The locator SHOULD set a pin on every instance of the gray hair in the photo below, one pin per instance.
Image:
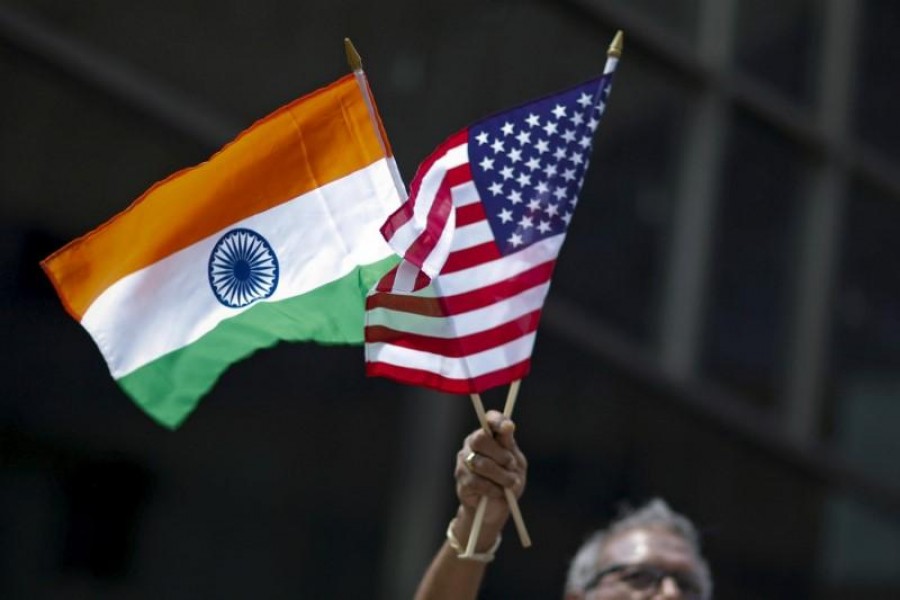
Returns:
(655, 513)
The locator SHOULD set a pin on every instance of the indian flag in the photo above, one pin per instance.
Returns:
(276, 237)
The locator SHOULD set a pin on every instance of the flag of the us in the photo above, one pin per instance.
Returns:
(480, 233)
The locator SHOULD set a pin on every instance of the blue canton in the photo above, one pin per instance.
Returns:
(528, 163)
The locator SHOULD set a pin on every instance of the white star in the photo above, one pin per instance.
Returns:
(507, 128)
(544, 227)
(533, 120)
(569, 174)
(593, 123)
(515, 197)
(541, 146)
(560, 193)
(541, 187)
(551, 210)
(534, 204)
(584, 99)
(577, 158)
(569, 135)
(497, 146)
(482, 138)
(486, 164)
(549, 127)
(516, 240)
(559, 153)
(559, 111)
(585, 141)
(505, 215)
(601, 107)
(550, 171)
(496, 188)
(515, 155)
(526, 222)
(524, 137)
(506, 172)
(577, 118)
(567, 217)
(524, 179)
(533, 163)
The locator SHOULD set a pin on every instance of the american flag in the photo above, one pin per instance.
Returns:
(479, 236)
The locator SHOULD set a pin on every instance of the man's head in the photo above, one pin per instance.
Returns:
(649, 553)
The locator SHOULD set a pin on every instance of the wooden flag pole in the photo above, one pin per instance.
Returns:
(524, 538)
(354, 60)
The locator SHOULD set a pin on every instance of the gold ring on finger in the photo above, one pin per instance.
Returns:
(468, 461)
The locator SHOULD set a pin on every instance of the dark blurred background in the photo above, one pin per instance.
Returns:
(723, 330)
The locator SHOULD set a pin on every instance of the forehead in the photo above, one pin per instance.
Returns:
(656, 546)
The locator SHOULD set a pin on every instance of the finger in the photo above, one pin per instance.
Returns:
(503, 427)
(487, 467)
(472, 486)
(488, 447)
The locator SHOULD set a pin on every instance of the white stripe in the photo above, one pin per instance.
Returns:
(473, 365)
(465, 194)
(318, 237)
(474, 321)
(406, 235)
(471, 235)
(484, 274)
(405, 278)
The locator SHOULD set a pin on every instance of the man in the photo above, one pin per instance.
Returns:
(650, 553)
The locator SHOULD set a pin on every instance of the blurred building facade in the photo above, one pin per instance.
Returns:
(723, 330)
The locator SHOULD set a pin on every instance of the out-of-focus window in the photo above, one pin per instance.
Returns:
(751, 259)
(777, 43)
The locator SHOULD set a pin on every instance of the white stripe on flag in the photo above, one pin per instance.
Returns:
(472, 235)
(406, 235)
(465, 194)
(500, 269)
(474, 321)
(317, 237)
(472, 365)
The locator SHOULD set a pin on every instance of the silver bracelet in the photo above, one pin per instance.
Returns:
(484, 557)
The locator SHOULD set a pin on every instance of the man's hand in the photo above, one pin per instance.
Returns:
(494, 463)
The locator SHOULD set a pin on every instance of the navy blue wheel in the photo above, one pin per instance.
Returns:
(243, 268)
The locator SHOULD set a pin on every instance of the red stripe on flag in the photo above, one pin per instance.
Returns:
(462, 303)
(458, 175)
(438, 214)
(386, 283)
(470, 213)
(445, 384)
(460, 346)
(403, 214)
(471, 257)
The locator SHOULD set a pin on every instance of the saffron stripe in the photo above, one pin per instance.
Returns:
(273, 161)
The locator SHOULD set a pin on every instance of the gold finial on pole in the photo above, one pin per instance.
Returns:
(615, 49)
(353, 58)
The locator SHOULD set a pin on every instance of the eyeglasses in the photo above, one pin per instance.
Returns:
(647, 578)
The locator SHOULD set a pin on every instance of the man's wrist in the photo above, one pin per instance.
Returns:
(490, 528)
(462, 552)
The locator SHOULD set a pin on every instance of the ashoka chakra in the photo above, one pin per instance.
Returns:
(243, 268)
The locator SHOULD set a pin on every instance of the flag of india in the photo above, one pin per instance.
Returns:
(276, 237)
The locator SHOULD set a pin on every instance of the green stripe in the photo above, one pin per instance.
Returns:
(170, 387)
